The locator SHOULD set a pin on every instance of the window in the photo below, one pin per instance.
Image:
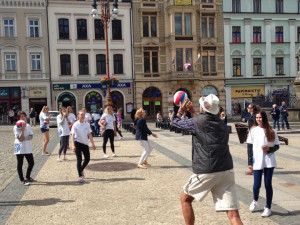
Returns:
(149, 26)
(9, 28)
(101, 64)
(236, 5)
(298, 6)
(83, 64)
(208, 62)
(34, 28)
(118, 64)
(35, 62)
(179, 59)
(279, 6)
(179, 29)
(204, 27)
(257, 6)
(279, 66)
(236, 64)
(151, 62)
(99, 30)
(207, 1)
(63, 26)
(116, 29)
(257, 67)
(10, 62)
(81, 29)
(65, 64)
(211, 27)
(257, 34)
(279, 34)
(298, 34)
(236, 34)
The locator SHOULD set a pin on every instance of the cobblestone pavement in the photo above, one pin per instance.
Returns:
(115, 192)
(8, 160)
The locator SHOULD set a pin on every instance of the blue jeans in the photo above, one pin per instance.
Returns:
(284, 119)
(268, 174)
(276, 121)
(97, 128)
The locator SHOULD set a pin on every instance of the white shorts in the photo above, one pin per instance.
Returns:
(221, 185)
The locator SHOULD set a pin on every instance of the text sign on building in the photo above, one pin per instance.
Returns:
(88, 86)
(3, 92)
(37, 92)
(240, 92)
(183, 2)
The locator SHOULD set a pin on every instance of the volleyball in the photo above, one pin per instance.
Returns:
(179, 96)
(20, 123)
(187, 67)
(103, 122)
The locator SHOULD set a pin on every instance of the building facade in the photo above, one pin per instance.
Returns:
(178, 45)
(77, 53)
(24, 67)
(262, 40)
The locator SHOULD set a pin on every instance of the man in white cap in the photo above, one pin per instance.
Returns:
(211, 160)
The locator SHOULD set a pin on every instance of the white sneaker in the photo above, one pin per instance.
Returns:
(253, 205)
(106, 156)
(267, 212)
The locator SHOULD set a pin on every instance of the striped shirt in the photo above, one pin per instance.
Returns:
(187, 125)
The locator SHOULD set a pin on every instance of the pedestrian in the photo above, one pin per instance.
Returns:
(96, 117)
(63, 132)
(88, 117)
(265, 142)
(81, 134)
(141, 135)
(23, 148)
(119, 119)
(101, 111)
(159, 117)
(32, 117)
(71, 117)
(44, 125)
(109, 130)
(118, 127)
(275, 112)
(252, 109)
(211, 162)
(284, 115)
(132, 114)
(11, 115)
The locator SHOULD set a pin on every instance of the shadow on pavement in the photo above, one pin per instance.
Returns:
(289, 213)
(40, 202)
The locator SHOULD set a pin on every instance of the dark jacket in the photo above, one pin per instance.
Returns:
(142, 130)
(275, 114)
(251, 120)
(283, 111)
(210, 145)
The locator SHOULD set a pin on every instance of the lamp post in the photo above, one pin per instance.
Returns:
(105, 19)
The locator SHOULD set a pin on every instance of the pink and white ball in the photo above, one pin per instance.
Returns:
(187, 67)
(179, 97)
(20, 124)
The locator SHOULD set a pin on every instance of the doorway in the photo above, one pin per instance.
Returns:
(152, 102)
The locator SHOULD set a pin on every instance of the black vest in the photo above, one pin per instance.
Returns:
(210, 145)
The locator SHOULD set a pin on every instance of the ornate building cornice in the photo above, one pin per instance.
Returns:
(23, 4)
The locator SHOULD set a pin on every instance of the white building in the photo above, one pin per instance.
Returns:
(77, 56)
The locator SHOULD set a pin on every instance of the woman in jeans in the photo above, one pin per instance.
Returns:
(44, 125)
(265, 142)
(63, 132)
(110, 130)
(141, 135)
(23, 148)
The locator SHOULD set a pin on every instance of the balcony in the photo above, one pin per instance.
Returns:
(24, 76)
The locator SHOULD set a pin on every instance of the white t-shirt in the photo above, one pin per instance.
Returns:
(62, 126)
(96, 116)
(43, 122)
(71, 118)
(88, 117)
(23, 147)
(81, 130)
(262, 159)
(110, 121)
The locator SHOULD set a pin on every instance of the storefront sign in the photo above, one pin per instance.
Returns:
(209, 90)
(241, 92)
(88, 86)
(183, 2)
(37, 92)
(3, 92)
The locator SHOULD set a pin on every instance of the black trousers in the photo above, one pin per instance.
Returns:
(64, 142)
(119, 132)
(82, 148)
(111, 135)
(30, 160)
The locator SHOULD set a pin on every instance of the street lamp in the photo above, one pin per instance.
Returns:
(105, 17)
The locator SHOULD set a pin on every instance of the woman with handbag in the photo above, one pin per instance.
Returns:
(265, 142)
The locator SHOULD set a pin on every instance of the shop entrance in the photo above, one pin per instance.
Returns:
(118, 101)
(66, 99)
(93, 102)
(152, 102)
(37, 105)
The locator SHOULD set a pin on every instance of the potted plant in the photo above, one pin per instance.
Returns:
(109, 81)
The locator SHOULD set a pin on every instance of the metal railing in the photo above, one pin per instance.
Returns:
(266, 101)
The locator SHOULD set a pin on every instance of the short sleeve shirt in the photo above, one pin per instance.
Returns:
(81, 131)
(43, 122)
(22, 147)
(110, 121)
(262, 159)
(71, 118)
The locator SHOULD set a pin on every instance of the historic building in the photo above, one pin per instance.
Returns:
(178, 45)
(77, 53)
(262, 40)
(24, 67)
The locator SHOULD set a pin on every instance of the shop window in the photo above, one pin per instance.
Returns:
(63, 27)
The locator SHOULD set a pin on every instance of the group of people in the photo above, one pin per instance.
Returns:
(211, 159)
(280, 113)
